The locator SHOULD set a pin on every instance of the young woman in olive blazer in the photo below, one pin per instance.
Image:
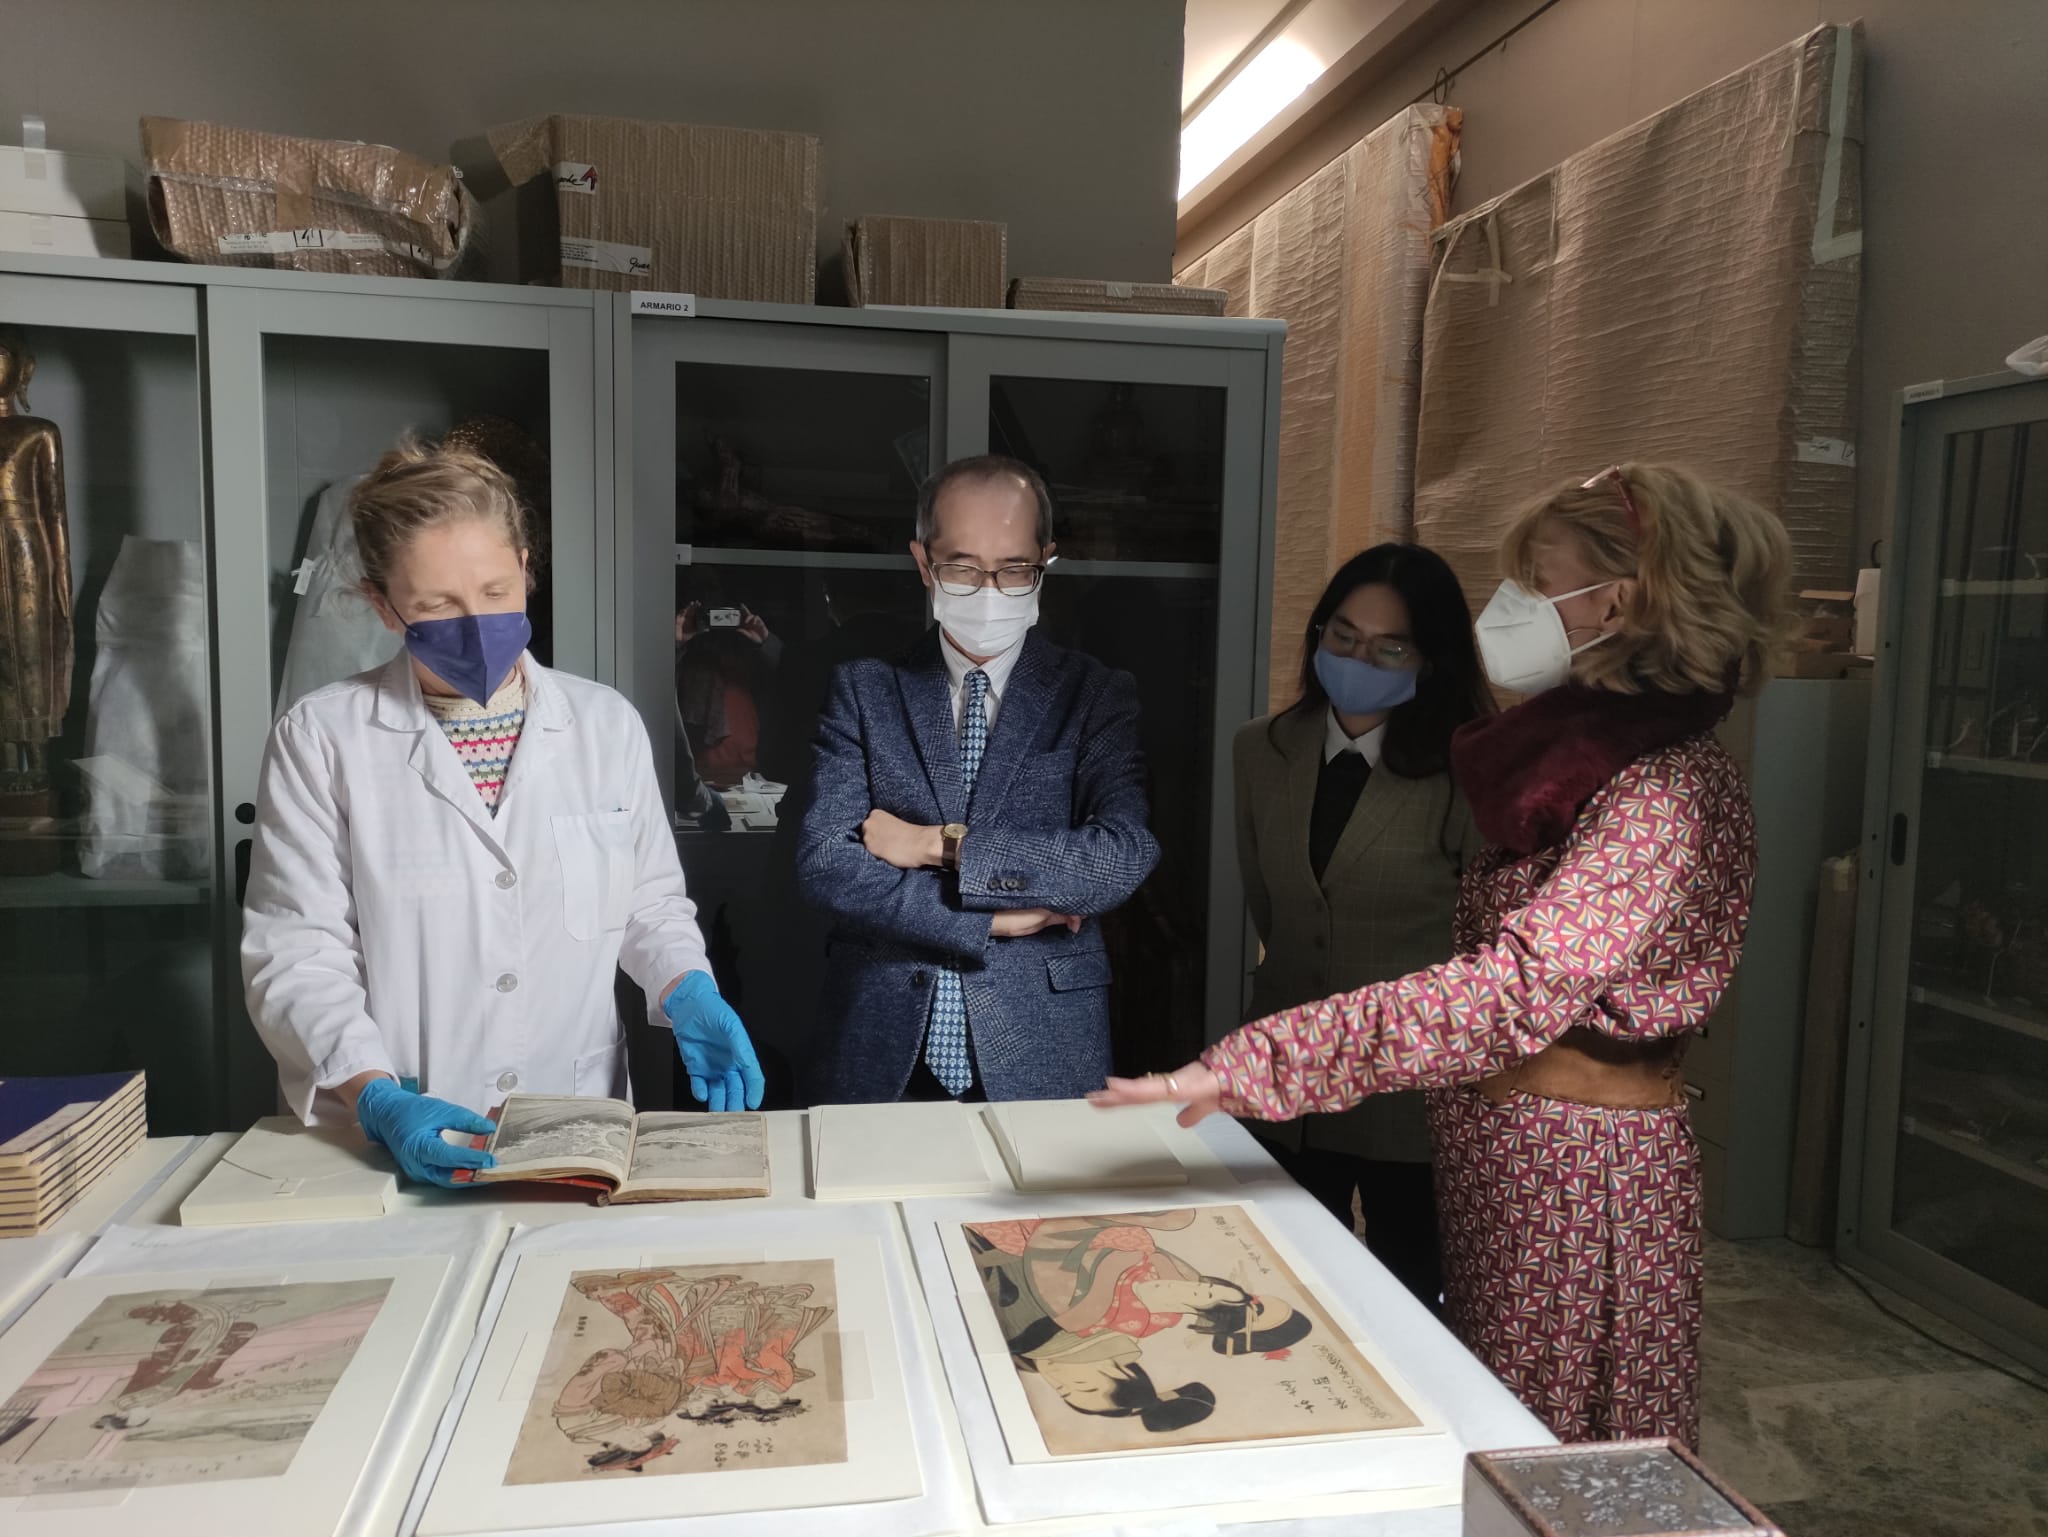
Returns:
(1351, 840)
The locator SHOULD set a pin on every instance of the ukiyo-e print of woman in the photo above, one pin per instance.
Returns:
(708, 1375)
(1145, 1331)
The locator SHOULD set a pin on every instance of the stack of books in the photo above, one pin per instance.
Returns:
(58, 1138)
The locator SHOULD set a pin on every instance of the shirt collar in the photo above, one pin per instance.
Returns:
(998, 668)
(1336, 743)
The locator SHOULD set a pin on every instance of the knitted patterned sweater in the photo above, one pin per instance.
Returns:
(483, 735)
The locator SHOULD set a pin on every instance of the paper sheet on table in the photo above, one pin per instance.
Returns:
(282, 1171)
(891, 1152)
(1068, 1144)
(27, 1263)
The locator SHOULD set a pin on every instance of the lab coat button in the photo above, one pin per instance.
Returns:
(507, 880)
(507, 982)
(507, 1082)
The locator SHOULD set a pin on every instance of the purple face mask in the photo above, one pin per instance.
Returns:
(471, 653)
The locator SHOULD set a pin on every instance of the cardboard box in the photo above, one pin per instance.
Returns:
(1103, 297)
(1344, 259)
(1684, 291)
(59, 185)
(1601, 1489)
(951, 263)
(237, 197)
(722, 213)
(55, 235)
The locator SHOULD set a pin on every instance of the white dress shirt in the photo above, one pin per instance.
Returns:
(1336, 742)
(998, 669)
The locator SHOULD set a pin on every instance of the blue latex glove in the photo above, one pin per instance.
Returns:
(411, 1124)
(717, 1055)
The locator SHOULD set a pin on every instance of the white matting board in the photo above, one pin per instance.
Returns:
(893, 1152)
(282, 1171)
(1068, 1144)
(27, 1263)
(679, 1234)
(473, 1241)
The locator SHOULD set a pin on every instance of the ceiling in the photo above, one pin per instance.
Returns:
(1217, 32)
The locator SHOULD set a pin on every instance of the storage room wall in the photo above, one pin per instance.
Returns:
(1060, 117)
(1955, 256)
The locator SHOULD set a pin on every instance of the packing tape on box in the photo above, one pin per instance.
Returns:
(35, 164)
(1827, 245)
(1493, 276)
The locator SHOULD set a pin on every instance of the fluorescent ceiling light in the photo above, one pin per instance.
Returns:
(1281, 72)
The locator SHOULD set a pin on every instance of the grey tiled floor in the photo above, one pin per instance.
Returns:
(1837, 1419)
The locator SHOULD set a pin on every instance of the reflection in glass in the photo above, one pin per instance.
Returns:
(1972, 1172)
(107, 934)
(799, 459)
(1136, 469)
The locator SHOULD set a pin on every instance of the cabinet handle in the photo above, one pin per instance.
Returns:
(242, 871)
(1694, 1091)
(1899, 838)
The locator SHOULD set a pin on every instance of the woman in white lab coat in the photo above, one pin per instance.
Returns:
(455, 853)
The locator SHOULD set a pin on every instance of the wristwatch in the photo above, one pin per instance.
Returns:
(949, 844)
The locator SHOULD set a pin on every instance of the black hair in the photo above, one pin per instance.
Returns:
(978, 468)
(1228, 1325)
(1134, 1396)
(1452, 687)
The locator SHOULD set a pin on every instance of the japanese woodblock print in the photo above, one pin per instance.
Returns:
(686, 1370)
(1156, 1330)
(178, 1387)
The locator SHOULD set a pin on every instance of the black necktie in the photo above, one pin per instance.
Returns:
(1338, 787)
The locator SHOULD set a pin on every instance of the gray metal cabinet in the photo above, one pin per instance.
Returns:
(1945, 1151)
(775, 457)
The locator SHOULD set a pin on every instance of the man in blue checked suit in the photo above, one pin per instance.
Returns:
(974, 809)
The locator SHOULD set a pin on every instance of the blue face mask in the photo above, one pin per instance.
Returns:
(1359, 688)
(471, 653)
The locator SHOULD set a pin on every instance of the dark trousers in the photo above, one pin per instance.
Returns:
(1398, 1202)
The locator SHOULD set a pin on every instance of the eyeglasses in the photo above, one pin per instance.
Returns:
(1396, 655)
(1628, 502)
(960, 580)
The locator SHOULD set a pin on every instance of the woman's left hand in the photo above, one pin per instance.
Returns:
(1197, 1090)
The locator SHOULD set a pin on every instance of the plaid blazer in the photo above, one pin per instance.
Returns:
(1057, 820)
(1383, 908)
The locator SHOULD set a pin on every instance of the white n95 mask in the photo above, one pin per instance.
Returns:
(1522, 639)
(984, 623)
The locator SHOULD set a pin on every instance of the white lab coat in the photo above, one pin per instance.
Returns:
(393, 924)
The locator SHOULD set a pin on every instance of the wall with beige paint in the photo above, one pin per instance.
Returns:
(1955, 257)
(1060, 117)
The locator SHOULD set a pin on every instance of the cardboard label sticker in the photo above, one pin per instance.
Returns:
(1915, 393)
(673, 306)
(608, 256)
(575, 176)
(276, 242)
(1825, 451)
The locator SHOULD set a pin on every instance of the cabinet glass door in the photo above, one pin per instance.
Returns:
(1152, 453)
(775, 481)
(111, 909)
(1959, 1103)
(310, 387)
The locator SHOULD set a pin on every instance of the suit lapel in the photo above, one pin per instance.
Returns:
(1383, 795)
(1025, 698)
(928, 701)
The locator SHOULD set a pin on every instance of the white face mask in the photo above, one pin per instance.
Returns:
(1522, 638)
(985, 623)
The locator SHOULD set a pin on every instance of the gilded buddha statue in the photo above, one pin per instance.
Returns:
(35, 574)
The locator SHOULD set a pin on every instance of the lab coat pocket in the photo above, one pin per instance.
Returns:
(597, 871)
(601, 1074)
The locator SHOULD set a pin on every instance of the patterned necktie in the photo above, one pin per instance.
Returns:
(945, 1041)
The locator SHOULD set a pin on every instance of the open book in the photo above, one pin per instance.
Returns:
(656, 1156)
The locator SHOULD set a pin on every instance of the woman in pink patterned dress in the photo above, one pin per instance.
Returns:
(1595, 934)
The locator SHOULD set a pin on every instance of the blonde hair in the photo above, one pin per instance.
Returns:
(416, 487)
(1708, 603)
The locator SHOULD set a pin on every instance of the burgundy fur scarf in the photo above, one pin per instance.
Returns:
(1529, 770)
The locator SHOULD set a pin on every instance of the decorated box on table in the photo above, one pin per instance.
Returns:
(723, 213)
(954, 263)
(238, 197)
(1106, 297)
(1611, 1489)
